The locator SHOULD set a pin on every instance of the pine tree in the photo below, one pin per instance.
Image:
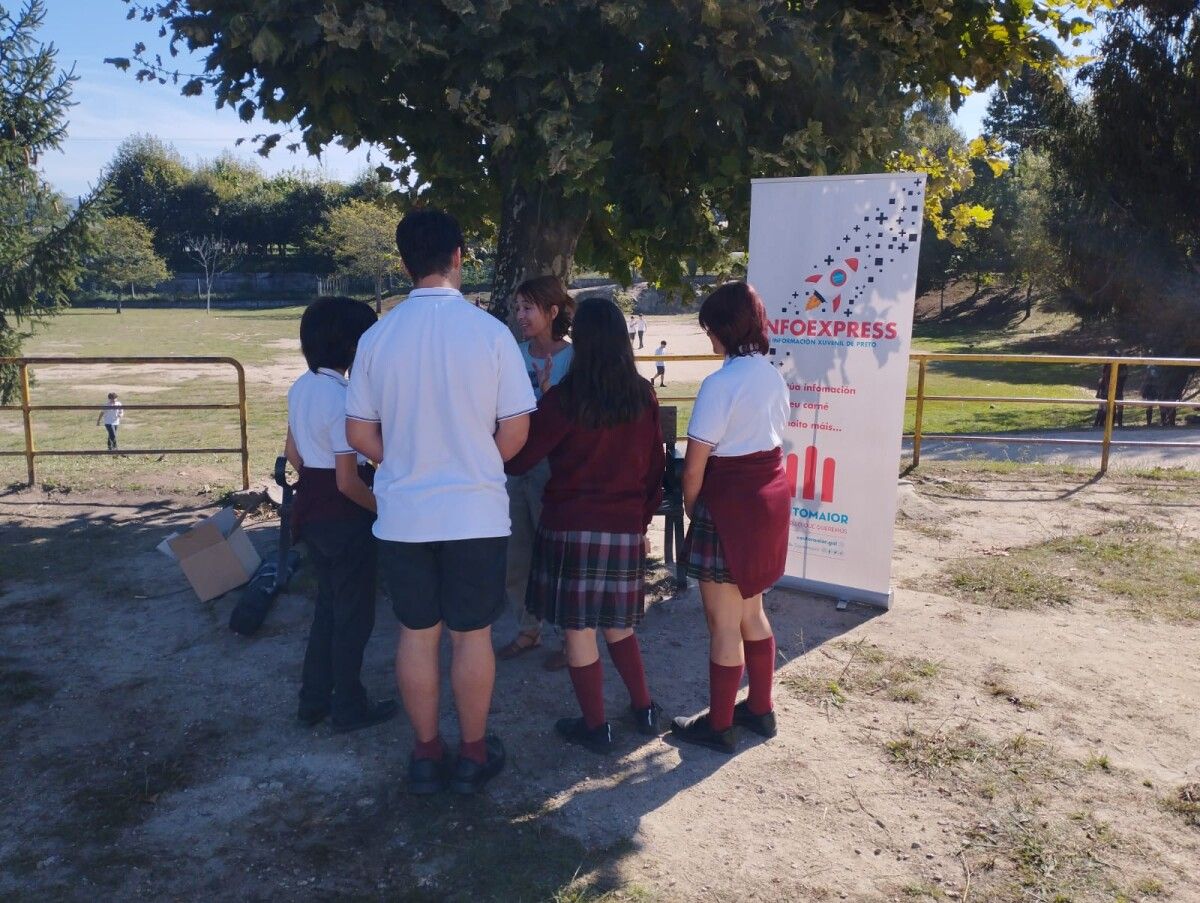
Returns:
(41, 240)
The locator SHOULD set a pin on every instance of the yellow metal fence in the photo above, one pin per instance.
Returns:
(923, 358)
(1106, 442)
(27, 409)
(31, 453)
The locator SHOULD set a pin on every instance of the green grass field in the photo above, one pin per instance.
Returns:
(265, 341)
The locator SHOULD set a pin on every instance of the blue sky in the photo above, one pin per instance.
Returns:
(111, 105)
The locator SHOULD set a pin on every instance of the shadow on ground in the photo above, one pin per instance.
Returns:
(152, 753)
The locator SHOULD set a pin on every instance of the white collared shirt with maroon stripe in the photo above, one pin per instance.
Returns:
(437, 374)
(742, 408)
(317, 417)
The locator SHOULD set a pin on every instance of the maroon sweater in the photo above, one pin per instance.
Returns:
(607, 479)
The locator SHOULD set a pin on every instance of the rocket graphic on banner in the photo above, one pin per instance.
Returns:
(835, 261)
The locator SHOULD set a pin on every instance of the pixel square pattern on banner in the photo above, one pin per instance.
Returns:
(835, 262)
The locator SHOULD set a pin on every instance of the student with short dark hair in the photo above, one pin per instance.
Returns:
(737, 496)
(332, 514)
(439, 396)
(599, 428)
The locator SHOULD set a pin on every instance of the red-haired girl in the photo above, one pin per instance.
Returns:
(736, 494)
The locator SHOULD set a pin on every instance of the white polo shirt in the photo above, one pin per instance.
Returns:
(317, 417)
(437, 374)
(113, 412)
(742, 408)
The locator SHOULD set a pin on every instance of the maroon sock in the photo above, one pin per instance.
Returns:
(476, 751)
(589, 690)
(626, 656)
(723, 683)
(760, 666)
(432, 749)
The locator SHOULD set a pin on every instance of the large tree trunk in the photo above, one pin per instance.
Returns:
(539, 229)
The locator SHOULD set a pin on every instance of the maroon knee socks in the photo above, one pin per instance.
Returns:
(588, 682)
(475, 750)
(723, 681)
(433, 749)
(760, 666)
(627, 658)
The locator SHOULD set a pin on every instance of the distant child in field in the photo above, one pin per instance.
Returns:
(660, 367)
(110, 415)
(333, 514)
(599, 427)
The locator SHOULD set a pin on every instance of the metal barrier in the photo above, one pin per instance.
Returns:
(922, 359)
(31, 453)
(1106, 443)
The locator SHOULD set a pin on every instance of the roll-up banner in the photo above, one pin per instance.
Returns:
(835, 262)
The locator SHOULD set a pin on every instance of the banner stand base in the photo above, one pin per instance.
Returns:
(834, 591)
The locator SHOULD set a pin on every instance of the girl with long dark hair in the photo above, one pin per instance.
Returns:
(599, 427)
(736, 493)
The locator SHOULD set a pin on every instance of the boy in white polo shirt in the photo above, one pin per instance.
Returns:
(439, 397)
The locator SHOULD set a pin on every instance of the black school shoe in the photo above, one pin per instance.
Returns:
(647, 721)
(428, 776)
(763, 725)
(312, 715)
(696, 730)
(368, 716)
(469, 776)
(575, 730)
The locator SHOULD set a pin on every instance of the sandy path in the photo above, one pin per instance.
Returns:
(1081, 455)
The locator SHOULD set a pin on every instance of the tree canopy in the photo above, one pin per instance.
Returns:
(123, 256)
(361, 235)
(272, 217)
(622, 131)
(1117, 172)
(41, 240)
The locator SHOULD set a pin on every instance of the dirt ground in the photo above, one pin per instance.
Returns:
(1034, 735)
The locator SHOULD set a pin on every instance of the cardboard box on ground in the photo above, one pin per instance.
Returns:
(215, 555)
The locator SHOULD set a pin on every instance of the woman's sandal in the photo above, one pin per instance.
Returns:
(524, 642)
(555, 661)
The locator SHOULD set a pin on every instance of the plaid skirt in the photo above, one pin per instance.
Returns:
(586, 578)
(705, 557)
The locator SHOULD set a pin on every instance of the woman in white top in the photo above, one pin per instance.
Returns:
(735, 491)
(544, 314)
